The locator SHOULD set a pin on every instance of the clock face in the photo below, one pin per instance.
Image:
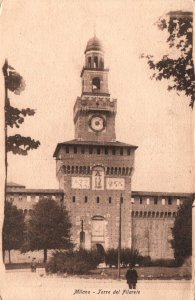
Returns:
(97, 123)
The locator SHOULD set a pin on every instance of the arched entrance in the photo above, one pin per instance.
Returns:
(101, 251)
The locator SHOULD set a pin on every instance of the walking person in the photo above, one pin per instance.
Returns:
(131, 277)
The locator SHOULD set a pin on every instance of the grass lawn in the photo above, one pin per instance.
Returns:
(146, 273)
(143, 272)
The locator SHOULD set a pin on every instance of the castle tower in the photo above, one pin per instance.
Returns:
(94, 169)
(94, 111)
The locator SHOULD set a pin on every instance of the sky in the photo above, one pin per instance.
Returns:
(45, 42)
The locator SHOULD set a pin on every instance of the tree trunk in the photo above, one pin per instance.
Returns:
(45, 256)
(3, 256)
(9, 256)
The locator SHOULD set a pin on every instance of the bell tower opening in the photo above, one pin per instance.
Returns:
(95, 84)
(95, 62)
(89, 62)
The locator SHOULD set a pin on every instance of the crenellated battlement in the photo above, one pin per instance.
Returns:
(94, 103)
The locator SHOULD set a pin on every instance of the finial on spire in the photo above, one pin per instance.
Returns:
(94, 29)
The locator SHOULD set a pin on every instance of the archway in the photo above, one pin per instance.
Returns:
(100, 250)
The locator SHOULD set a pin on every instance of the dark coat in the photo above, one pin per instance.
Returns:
(131, 275)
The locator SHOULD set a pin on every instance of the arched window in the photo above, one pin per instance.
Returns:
(95, 62)
(95, 84)
(89, 62)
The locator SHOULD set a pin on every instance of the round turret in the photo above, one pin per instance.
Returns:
(94, 54)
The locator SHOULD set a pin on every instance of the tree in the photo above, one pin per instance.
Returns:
(73, 262)
(16, 144)
(182, 232)
(13, 228)
(48, 227)
(177, 67)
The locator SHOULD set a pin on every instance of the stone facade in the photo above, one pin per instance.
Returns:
(94, 203)
(153, 216)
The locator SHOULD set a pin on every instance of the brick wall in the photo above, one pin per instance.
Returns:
(81, 165)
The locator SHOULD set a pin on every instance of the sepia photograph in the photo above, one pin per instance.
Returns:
(97, 150)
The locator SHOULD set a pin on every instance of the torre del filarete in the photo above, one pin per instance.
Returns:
(95, 171)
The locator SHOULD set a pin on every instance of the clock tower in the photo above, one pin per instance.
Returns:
(94, 169)
(95, 111)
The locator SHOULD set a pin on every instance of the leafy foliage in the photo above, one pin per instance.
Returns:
(178, 68)
(18, 144)
(111, 257)
(182, 232)
(48, 227)
(14, 117)
(128, 256)
(14, 81)
(13, 227)
(73, 262)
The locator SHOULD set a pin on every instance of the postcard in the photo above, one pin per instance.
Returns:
(97, 150)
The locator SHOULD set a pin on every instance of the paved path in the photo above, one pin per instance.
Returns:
(33, 286)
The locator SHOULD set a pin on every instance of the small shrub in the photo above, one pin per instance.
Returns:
(73, 262)
(145, 261)
(111, 257)
(128, 256)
